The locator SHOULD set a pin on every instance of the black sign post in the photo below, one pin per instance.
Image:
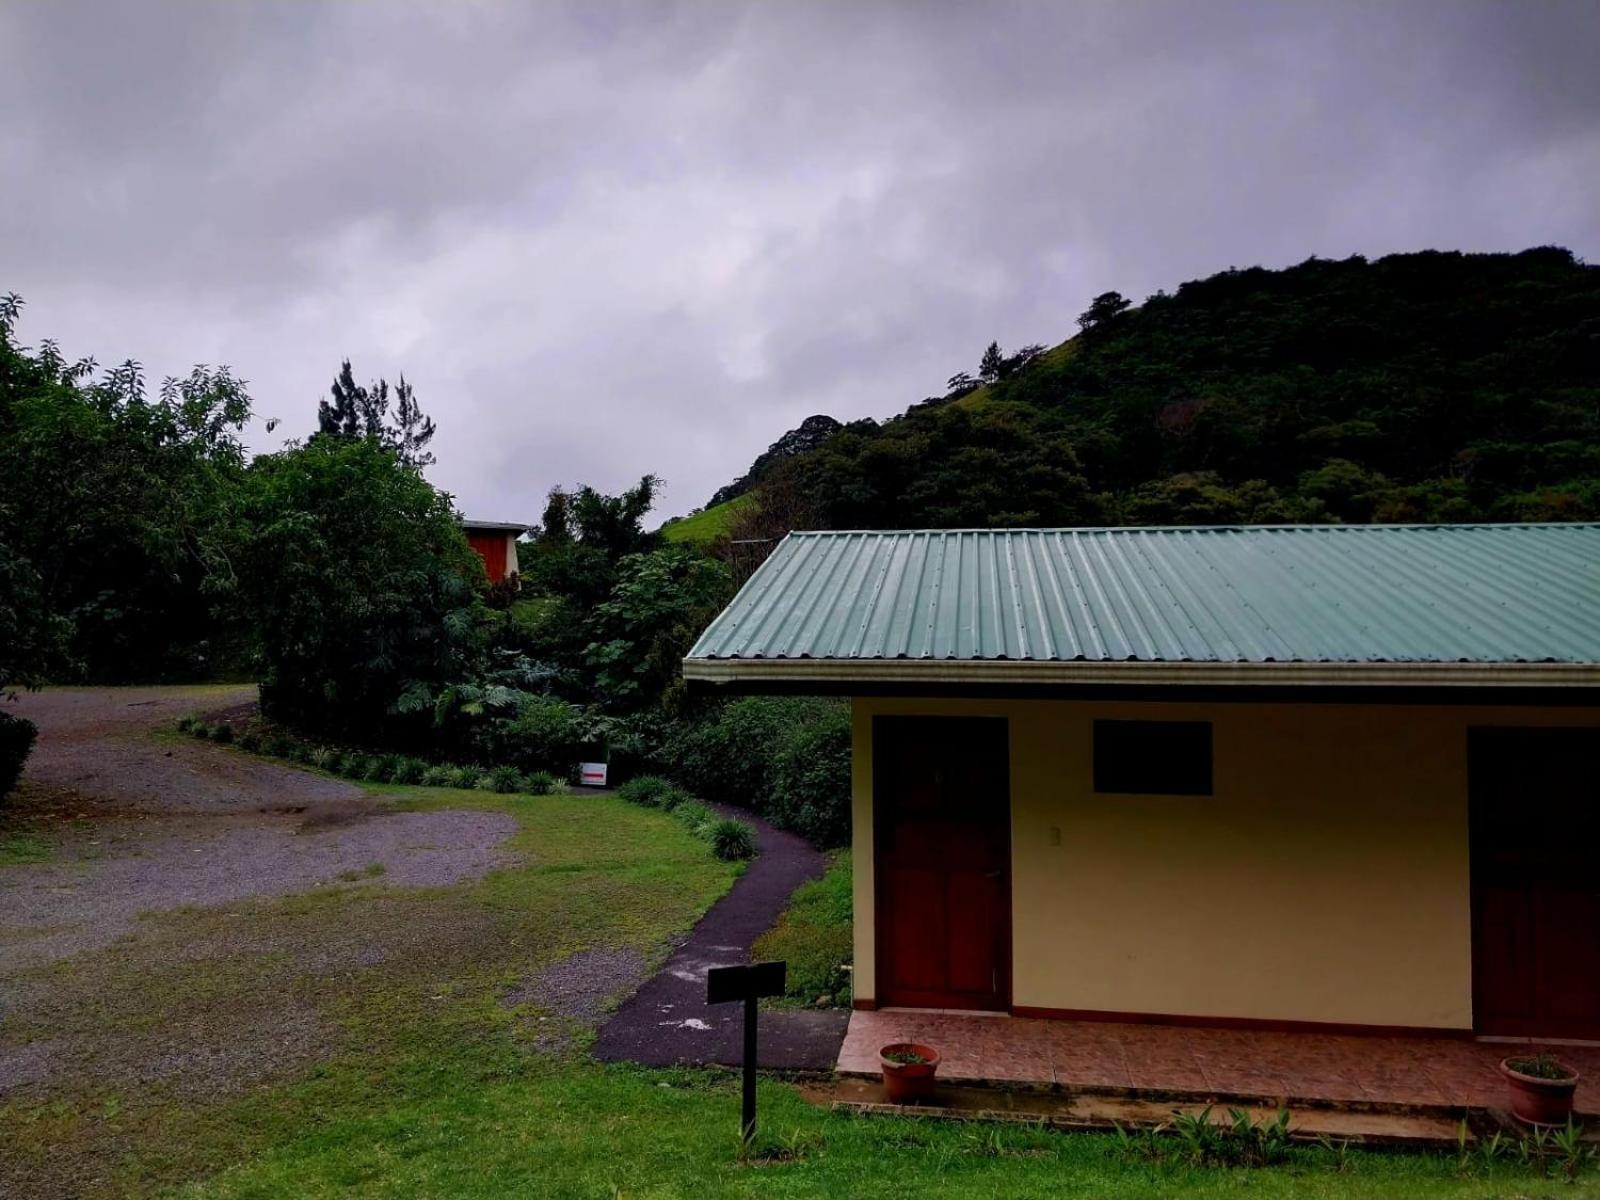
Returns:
(727, 984)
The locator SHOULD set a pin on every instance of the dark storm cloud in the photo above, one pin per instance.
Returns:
(605, 239)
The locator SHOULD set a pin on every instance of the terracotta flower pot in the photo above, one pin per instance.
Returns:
(908, 1071)
(1539, 1101)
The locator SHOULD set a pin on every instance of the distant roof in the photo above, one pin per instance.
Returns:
(1475, 603)
(495, 526)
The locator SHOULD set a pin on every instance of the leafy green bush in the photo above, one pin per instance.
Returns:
(811, 778)
(325, 758)
(187, 724)
(465, 778)
(408, 770)
(380, 768)
(814, 937)
(646, 790)
(696, 817)
(732, 840)
(785, 758)
(302, 752)
(250, 740)
(503, 779)
(16, 743)
(544, 734)
(278, 745)
(541, 783)
(673, 798)
(222, 733)
(438, 776)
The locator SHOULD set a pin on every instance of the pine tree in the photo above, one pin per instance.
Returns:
(992, 361)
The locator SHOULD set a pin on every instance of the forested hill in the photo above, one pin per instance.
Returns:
(1417, 387)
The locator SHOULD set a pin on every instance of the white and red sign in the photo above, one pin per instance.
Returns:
(592, 774)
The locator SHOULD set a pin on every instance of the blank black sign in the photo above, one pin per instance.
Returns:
(726, 984)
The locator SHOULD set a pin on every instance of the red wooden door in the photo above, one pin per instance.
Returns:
(942, 798)
(1535, 812)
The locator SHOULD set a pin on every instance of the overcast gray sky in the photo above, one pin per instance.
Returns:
(608, 238)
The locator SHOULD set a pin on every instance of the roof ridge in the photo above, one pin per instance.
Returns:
(1447, 526)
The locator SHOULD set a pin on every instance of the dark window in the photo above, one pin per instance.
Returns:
(1153, 758)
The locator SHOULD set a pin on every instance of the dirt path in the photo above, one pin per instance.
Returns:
(667, 1022)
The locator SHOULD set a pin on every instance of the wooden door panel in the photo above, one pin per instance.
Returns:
(943, 845)
(1535, 834)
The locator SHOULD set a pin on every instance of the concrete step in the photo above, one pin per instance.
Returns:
(1416, 1129)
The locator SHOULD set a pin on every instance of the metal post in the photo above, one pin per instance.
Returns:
(748, 1124)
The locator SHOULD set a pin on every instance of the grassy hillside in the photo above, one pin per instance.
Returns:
(708, 524)
(1417, 387)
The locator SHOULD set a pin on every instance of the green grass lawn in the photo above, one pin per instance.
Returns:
(814, 937)
(428, 1085)
(708, 524)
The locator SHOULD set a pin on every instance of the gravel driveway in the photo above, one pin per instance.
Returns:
(140, 823)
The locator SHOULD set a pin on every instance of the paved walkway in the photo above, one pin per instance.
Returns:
(668, 1023)
(1178, 1060)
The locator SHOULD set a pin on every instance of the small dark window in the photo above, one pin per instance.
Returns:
(1153, 758)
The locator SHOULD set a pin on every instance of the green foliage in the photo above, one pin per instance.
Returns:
(541, 783)
(379, 768)
(503, 779)
(814, 936)
(250, 740)
(186, 724)
(786, 758)
(278, 745)
(732, 840)
(438, 776)
(466, 778)
(811, 778)
(1418, 387)
(660, 604)
(1542, 1066)
(221, 732)
(353, 411)
(542, 733)
(113, 508)
(646, 790)
(408, 770)
(17, 736)
(356, 585)
(696, 816)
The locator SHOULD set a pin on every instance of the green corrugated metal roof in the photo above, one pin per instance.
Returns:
(1480, 594)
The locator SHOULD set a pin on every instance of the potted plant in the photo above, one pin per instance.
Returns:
(908, 1071)
(1540, 1087)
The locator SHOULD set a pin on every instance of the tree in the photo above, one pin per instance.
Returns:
(353, 411)
(1102, 309)
(355, 584)
(640, 634)
(990, 365)
(112, 509)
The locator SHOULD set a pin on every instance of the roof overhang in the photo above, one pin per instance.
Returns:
(496, 527)
(840, 677)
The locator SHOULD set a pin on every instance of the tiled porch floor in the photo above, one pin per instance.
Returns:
(1171, 1059)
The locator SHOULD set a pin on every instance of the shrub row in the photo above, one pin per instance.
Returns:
(785, 758)
(379, 768)
(731, 840)
(16, 742)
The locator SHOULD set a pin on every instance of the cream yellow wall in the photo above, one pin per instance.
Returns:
(1325, 880)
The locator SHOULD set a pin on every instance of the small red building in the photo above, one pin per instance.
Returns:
(496, 544)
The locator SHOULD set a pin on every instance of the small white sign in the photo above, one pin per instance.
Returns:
(592, 774)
